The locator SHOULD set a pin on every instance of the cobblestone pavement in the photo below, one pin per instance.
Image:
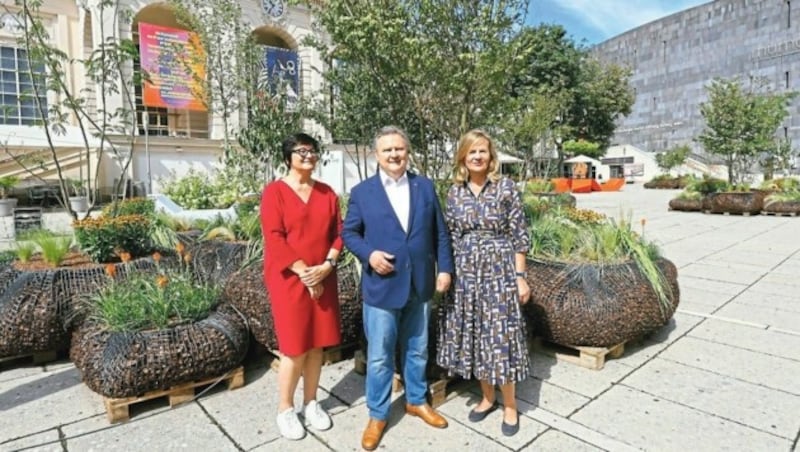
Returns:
(724, 374)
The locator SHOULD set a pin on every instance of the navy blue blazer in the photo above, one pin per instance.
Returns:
(420, 254)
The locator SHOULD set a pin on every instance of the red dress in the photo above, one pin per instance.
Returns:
(295, 230)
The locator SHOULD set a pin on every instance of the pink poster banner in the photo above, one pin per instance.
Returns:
(173, 61)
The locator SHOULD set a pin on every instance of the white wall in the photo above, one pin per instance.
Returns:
(341, 171)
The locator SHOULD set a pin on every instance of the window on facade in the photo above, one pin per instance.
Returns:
(17, 81)
(786, 80)
(788, 14)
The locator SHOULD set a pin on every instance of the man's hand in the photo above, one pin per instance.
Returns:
(443, 282)
(381, 262)
(315, 274)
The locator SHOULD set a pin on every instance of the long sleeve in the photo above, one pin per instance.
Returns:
(276, 250)
(353, 230)
(336, 227)
(450, 218)
(517, 221)
(444, 252)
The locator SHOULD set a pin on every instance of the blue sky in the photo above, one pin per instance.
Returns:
(598, 20)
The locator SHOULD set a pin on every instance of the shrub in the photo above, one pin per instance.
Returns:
(690, 195)
(24, 250)
(247, 205)
(708, 185)
(131, 206)
(198, 190)
(538, 186)
(152, 300)
(783, 184)
(102, 238)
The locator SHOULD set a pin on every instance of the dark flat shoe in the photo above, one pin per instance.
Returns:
(477, 416)
(508, 429)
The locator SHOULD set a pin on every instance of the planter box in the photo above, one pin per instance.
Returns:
(590, 305)
(37, 307)
(687, 205)
(128, 364)
(784, 207)
(734, 202)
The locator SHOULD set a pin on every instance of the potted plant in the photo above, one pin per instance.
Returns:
(7, 204)
(78, 200)
(594, 281)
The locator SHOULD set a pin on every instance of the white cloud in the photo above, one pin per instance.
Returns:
(612, 17)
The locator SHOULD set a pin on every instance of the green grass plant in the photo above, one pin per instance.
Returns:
(787, 196)
(24, 250)
(53, 247)
(147, 300)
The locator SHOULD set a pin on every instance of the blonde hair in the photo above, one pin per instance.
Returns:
(461, 173)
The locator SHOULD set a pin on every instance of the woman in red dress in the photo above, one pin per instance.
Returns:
(301, 224)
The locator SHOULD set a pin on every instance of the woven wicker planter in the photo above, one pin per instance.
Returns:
(586, 305)
(246, 291)
(35, 305)
(787, 207)
(734, 202)
(215, 260)
(688, 205)
(130, 364)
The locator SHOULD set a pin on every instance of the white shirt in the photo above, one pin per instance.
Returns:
(399, 196)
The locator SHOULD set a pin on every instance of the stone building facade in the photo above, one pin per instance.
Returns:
(675, 57)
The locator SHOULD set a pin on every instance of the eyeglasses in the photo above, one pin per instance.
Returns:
(305, 152)
(389, 150)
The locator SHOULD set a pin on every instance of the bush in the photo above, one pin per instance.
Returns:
(143, 300)
(538, 186)
(247, 205)
(196, 191)
(708, 185)
(783, 184)
(103, 238)
(131, 206)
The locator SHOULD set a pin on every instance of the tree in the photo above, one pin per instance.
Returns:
(104, 127)
(672, 158)
(741, 123)
(435, 68)
(583, 147)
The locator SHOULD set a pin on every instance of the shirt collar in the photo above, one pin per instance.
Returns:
(387, 180)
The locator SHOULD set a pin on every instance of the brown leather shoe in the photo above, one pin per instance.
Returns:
(427, 414)
(372, 434)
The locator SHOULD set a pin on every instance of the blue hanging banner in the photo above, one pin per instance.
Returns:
(281, 70)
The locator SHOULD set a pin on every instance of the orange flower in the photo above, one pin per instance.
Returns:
(162, 281)
(180, 248)
(125, 256)
(111, 270)
(157, 256)
(187, 257)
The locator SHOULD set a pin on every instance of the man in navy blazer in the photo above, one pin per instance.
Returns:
(395, 226)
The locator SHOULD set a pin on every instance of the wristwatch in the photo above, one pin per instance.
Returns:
(332, 261)
(521, 274)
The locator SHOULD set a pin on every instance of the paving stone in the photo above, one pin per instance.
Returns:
(720, 273)
(763, 259)
(308, 444)
(764, 409)
(785, 302)
(41, 442)
(403, 433)
(699, 300)
(555, 441)
(638, 352)
(754, 367)
(762, 341)
(9, 371)
(546, 395)
(771, 316)
(46, 400)
(577, 379)
(653, 423)
(344, 383)
(182, 428)
(710, 285)
(774, 288)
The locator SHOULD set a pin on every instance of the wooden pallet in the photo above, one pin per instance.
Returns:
(742, 214)
(779, 214)
(37, 357)
(330, 355)
(118, 409)
(589, 357)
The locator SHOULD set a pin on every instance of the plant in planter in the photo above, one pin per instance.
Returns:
(595, 281)
(786, 202)
(153, 330)
(7, 183)
(78, 199)
(689, 200)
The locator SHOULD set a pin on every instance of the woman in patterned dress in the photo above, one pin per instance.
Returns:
(484, 334)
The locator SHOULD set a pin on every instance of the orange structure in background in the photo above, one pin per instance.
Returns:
(564, 185)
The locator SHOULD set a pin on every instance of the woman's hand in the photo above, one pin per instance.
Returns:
(523, 289)
(316, 291)
(315, 274)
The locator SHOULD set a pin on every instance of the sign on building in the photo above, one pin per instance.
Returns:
(281, 71)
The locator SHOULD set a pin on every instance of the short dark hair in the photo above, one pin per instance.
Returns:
(293, 140)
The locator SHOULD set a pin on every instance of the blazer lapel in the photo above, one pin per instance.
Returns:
(413, 195)
(384, 200)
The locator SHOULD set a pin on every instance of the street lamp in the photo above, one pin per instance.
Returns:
(146, 124)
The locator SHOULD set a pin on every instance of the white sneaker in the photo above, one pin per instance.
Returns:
(289, 425)
(316, 416)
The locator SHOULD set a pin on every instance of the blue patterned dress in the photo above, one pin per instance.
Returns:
(482, 333)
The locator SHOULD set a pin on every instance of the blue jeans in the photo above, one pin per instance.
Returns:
(384, 328)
